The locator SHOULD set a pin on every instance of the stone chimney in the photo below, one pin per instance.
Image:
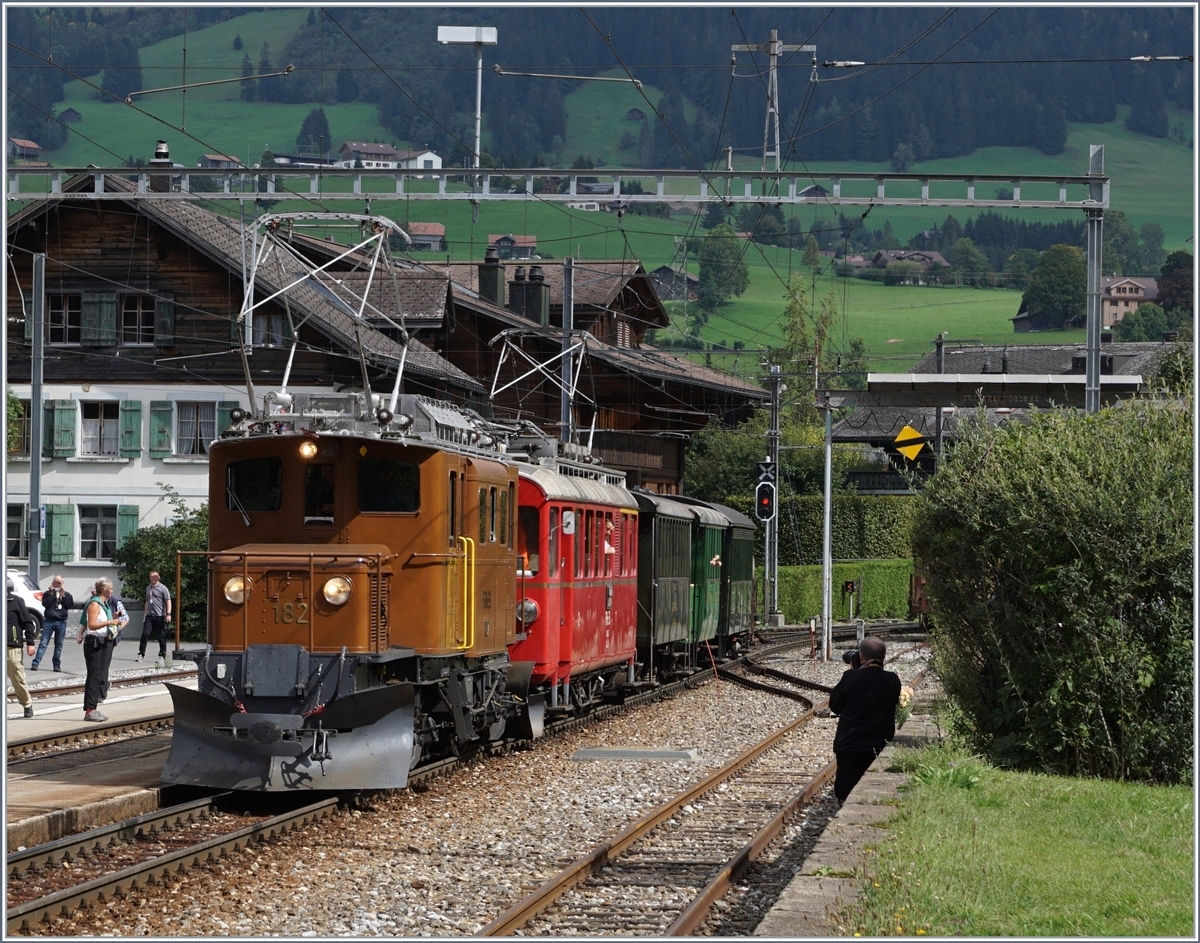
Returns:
(491, 277)
(530, 297)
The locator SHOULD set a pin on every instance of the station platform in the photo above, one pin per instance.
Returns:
(62, 793)
(833, 873)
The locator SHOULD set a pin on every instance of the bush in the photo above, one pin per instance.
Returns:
(884, 593)
(153, 548)
(863, 527)
(1059, 564)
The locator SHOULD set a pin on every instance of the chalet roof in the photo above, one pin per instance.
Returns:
(515, 240)
(223, 157)
(408, 155)
(426, 229)
(1129, 359)
(1148, 285)
(369, 148)
(917, 256)
(21, 142)
(220, 239)
(660, 365)
(596, 284)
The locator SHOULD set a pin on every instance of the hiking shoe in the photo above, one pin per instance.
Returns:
(140, 656)
(33, 667)
(29, 711)
(160, 663)
(94, 715)
(58, 668)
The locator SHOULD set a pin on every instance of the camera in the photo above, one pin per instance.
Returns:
(851, 658)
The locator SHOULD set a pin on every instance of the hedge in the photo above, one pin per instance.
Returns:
(883, 590)
(864, 527)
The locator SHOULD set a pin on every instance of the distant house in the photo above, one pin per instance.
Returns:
(371, 155)
(428, 237)
(673, 284)
(70, 116)
(606, 188)
(635, 114)
(513, 247)
(1121, 294)
(418, 160)
(20, 149)
(218, 162)
(813, 192)
(590, 206)
(923, 259)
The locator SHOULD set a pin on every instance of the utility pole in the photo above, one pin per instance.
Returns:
(774, 48)
(1095, 250)
(771, 551)
(939, 344)
(568, 319)
(827, 538)
(34, 527)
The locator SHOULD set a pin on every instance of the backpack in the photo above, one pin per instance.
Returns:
(83, 623)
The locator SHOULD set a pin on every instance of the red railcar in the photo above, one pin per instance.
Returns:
(577, 586)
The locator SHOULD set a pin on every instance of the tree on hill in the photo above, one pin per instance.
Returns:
(968, 265)
(347, 86)
(903, 159)
(1175, 284)
(812, 253)
(723, 271)
(314, 132)
(124, 73)
(248, 88)
(237, 41)
(1148, 111)
(1058, 286)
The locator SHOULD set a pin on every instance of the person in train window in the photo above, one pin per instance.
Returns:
(318, 493)
(608, 537)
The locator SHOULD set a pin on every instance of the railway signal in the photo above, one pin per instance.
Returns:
(764, 501)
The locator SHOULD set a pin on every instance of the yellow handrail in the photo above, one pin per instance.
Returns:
(468, 593)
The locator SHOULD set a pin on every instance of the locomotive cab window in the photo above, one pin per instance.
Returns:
(318, 494)
(255, 484)
(388, 487)
(529, 540)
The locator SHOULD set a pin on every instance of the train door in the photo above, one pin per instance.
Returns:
(455, 556)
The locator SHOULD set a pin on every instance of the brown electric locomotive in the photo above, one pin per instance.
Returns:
(361, 598)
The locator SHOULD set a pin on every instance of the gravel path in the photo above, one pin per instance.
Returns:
(445, 859)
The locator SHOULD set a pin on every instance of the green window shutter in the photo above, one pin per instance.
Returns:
(127, 522)
(131, 428)
(99, 325)
(223, 420)
(164, 320)
(58, 437)
(59, 545)
(162, 416)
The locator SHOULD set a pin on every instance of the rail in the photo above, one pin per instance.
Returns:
(69, 899)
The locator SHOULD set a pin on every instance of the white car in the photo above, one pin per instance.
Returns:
(26, 589)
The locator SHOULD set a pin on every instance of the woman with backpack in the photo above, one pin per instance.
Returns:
(99, 634)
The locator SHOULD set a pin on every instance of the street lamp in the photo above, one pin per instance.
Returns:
(477, 36)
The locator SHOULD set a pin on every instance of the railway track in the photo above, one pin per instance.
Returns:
(662, 875)
(127, 681)
(44, 882)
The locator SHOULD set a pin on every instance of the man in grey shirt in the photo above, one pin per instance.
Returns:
(158, 614)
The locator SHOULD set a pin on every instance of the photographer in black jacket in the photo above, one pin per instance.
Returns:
(865, 701)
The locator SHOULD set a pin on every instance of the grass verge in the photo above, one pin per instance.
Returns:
(977, 851)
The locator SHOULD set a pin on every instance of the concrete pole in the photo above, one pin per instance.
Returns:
(478, 97)
(826, 541)
(937, 429)
(36, 412)
(568, 318)
(772, 548)
(1095, 252)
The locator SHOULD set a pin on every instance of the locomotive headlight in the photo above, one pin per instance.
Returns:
(527, 611)
(308, 448)
(337, 590)
(237, 589)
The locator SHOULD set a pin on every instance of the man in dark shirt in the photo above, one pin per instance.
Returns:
(865, 701)
(57, 603)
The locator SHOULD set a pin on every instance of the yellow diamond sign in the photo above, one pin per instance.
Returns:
(909, 442)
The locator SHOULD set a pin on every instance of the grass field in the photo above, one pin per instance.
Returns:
(1025, 855)
(1152, 180)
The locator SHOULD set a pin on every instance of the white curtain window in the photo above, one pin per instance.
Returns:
(197, 427)
(101, 428)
